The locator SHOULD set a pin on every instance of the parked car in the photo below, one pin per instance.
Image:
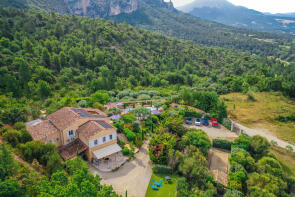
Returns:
(188, 121)
(214, 122)
(205, 122)
(198, 122)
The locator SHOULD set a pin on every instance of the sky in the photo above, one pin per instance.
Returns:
(272, 6)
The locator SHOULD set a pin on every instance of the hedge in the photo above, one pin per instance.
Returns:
(125, 151)
(162, 169)
(222, 144)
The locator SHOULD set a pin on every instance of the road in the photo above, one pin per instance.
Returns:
(266, 134)
(133, 176)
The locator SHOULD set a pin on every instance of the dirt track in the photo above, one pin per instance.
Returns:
(266, 134)
(219, 165)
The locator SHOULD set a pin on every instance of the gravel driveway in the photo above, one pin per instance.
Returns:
(213, 132)
(133, 176)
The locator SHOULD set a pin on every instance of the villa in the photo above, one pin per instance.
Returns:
(82, 131)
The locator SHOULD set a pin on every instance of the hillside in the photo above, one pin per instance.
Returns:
(224, 12)
(44, 53)
(161, 17)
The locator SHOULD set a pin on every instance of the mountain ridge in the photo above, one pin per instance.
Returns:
(161, 17)
(222, 11)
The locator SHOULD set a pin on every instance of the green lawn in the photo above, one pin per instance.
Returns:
(167, 190)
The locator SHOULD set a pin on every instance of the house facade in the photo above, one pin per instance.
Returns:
(78, 130)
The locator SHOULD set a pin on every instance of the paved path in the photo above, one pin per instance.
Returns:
(133, 176)
(266, 134)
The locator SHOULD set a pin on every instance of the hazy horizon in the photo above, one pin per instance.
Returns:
(274, 6)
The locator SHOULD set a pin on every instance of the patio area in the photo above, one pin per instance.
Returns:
(110, 163)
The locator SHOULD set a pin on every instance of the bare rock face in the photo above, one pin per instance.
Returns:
(101, 8)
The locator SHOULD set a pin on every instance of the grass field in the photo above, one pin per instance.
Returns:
(287, 159)
(167, 190)
(262, 112)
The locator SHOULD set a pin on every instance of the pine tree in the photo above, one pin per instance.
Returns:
(7, 163)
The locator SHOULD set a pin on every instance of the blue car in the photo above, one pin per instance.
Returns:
(205, 122)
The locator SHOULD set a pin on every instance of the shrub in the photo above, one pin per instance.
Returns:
(250, 97)
(259, 146)
(25, 136)
(238, 149)
(46, 154)
(13, 114)
(144, 97)
(129, 134)
(1, 124)
(136, 126)
(199, 139)
(227, 123)
(244, 159)
(181, 184)
(273, 143)
(12, 137)
(162, 169)
(289, 148)
(82, 103)
(235, 167)
(222, 144)
(98, 106)
(19, 126)
(119, 126)
(125, 151)
(233, 193)
(3, 130)
(121, 143)
(138, 141)
(243, 141)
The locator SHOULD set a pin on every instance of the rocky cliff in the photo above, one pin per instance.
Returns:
(101, 8)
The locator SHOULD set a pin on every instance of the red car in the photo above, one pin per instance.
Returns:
(214, 122)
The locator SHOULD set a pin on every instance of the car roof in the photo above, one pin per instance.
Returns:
(213, 119)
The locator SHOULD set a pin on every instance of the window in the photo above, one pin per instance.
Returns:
(111, 137)
(104, 139)
(50, 141)
(71, 132)
(57, 139)
(95, 142)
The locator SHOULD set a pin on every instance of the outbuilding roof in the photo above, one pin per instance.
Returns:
(70, 150)
(106, 151)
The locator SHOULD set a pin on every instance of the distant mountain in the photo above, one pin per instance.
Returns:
(292, 15)
(226, 13)
(160, 16)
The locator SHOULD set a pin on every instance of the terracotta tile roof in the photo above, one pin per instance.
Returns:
(66, 116)
(42, 130)
(63, 118)
(70, 150)
(89, 129)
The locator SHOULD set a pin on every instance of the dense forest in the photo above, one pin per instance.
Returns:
(154, 17)
(45, 56)
(161, 17)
